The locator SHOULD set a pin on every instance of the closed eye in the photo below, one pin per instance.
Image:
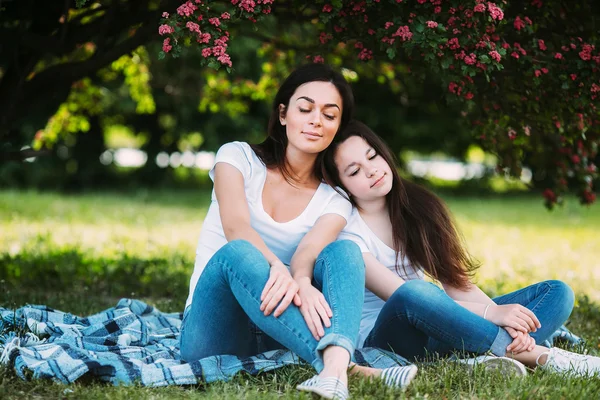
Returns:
(353, 173)
(329, 117)
(373, 156)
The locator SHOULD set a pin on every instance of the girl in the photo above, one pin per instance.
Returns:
(270, 210)
(405, 231)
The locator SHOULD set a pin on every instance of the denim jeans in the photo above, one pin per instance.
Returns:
(420, 319)
(226, 302)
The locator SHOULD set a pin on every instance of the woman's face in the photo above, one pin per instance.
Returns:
(362, 171)
(312, 117)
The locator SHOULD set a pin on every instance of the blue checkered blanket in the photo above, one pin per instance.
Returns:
(133, 343)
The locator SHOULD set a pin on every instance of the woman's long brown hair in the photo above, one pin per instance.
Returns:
(423, 229)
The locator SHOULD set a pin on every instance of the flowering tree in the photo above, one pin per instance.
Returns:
(526, 73)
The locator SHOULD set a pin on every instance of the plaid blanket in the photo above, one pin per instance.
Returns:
(133, 343)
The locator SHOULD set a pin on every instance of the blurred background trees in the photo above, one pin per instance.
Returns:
(78, 82)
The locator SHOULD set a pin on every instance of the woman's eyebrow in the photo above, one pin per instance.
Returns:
(313, 102)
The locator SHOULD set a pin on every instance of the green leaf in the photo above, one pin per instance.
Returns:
(484, 59)
(446, 63)
(419, 28)
(391, 52)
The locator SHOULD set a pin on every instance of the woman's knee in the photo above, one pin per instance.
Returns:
(344, 253)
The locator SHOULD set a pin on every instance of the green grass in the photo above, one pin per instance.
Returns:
(82, 253)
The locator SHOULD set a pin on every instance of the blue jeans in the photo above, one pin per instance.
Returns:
(421, 319)
(224, 313)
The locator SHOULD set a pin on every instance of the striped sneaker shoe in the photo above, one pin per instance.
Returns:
(327, 388)
(399, 377)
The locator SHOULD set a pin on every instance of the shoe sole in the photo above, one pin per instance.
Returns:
(506, 366)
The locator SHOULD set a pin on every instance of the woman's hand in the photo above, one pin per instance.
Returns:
(522, 341)
(280, 289)
(513, 316)
(314, 308)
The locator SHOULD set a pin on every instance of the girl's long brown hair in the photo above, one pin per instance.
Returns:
(423, 229)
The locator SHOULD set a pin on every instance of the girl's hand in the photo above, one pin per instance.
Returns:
(280, 289)
(514, 316)
(522, 341)
(314, 309)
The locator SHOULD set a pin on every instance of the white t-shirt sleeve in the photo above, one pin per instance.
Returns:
(236, 154)
(346, 235)
(338, 205)
(353, 232)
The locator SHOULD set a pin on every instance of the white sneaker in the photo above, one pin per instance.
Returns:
(564, 361)
(505, 365)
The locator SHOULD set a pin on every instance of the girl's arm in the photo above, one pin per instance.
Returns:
(314, 307)
(379, 279)
(281, 288)
(509, 315)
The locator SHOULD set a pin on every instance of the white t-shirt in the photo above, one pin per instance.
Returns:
(282, 238)
(358, 231)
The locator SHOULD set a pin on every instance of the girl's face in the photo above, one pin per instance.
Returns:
(313, 116)
(363, 172)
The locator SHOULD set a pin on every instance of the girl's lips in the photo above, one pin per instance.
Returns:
(378, 181)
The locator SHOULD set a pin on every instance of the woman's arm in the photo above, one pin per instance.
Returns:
(281, 289)
(234, 211)
(314, 307)
(379, 279)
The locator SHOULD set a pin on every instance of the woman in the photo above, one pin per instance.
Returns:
(270, 210)
(404, 231)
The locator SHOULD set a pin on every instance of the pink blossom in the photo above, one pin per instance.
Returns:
(505, 45)
(573, 76)
(545, 70)
(536, 3)
(166, 45)
(470, 59)
(586, 52)
(515, 54)
(437, 10)
(225, 16)
(365, 54)
(537, 73)
(206, 52)
(519, 24)
(432, 24)
(541, 45)
(404, 33)
(453, 43)
(452, 86)
(247, 5)
(480, 8)
(327, 8)
(495, 55)
(165, 29)
(528, 20)
(325, 37)
(193, 27)
(558, 56)
(186, 9)
(595, 88)
(214, 21)
(469, 96)
(388, 24)
(422, 1)
(234, 2)
(318, 60)
(495, 11)
(370, 31)
(512, 134)
(165, 15)
(224, 59)
(218, 50)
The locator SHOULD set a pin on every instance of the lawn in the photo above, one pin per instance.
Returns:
(82, 253)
